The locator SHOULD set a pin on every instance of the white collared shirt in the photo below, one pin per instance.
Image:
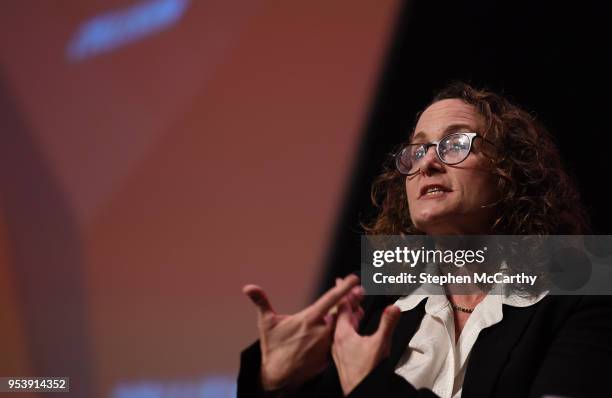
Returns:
(432, 359)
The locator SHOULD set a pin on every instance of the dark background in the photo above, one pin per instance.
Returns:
(552, 58)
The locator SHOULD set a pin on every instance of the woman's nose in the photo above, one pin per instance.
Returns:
(430, 163)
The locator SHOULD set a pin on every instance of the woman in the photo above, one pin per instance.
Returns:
(474, 164)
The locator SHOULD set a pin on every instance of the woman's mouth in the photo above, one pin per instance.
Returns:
(434, 192)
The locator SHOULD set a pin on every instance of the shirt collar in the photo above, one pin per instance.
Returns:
(436, 298)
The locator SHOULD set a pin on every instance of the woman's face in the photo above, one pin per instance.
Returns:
(465, 187)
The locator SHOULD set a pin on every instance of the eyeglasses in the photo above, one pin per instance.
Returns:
(452, 149)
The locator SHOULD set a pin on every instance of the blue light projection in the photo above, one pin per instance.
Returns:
(210, 387)
(114, 29)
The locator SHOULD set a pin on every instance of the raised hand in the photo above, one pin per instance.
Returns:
(296, 347)
(354, 355)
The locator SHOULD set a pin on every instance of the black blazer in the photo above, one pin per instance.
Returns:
(560, 346)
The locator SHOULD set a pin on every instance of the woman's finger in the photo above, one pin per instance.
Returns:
(259, 298)
(320, 308)
(344, 322)
(355, 296)
(388, 321)
(359, 314)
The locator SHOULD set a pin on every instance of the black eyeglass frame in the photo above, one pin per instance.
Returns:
(471, 135)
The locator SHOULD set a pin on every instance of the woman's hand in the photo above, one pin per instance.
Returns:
(296, 347)
(354, 355)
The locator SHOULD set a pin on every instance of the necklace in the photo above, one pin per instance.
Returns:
(462, 309)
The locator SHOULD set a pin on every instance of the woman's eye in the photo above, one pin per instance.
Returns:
(419, 154)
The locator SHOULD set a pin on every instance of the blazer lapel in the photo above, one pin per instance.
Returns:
(492, 350)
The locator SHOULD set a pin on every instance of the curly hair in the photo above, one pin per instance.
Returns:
(537, 196)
